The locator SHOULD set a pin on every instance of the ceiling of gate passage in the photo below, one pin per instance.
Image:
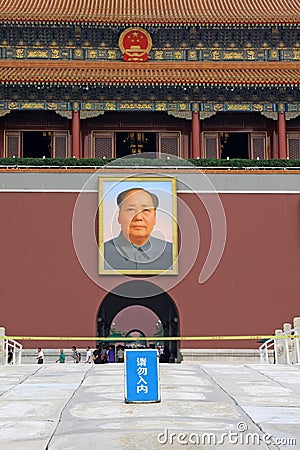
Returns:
(151, 12)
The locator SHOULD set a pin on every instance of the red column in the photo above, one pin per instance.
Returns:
(196, 143)
(281, 127)
(274, 145)
(76, 134)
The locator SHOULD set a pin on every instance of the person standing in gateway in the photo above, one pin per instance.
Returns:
(120, 354)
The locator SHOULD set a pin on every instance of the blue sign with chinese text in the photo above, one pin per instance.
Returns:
(141, 376)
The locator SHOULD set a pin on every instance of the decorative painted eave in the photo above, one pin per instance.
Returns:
(151, 12)
(169, 74)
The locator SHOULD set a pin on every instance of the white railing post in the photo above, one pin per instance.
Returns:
(14, 352)
(264, 351)
(20, 354)
(296, 324)
(288, 344)
(262, 355)
(9, 345)
(267, 353)
(6, 349)
(2, 346)
(286, 347)
(279, 348)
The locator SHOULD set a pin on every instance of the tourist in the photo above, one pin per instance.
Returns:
(120, 354)
(40, 356)
(97, 355)
(111, 354)
(76, 355)
(62, 357)
(88, 357)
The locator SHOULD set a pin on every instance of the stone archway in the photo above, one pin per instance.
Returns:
(135, 330)
(159, 302)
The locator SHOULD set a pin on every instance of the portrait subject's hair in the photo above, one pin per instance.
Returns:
(122, 195)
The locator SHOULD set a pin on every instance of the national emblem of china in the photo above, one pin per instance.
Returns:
(135, 44)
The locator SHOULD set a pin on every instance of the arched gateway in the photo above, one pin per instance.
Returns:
(142, 293)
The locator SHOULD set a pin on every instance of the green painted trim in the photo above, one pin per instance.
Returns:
(156, 54)
(181, 108)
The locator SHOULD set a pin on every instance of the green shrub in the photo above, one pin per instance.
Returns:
(140, 161)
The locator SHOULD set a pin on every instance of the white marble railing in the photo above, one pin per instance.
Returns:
(285, 347)
(10, 350)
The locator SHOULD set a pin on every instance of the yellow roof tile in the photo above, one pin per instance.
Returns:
(152, 73)
(152, 11)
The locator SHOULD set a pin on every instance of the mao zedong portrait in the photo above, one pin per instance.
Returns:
(135, 248)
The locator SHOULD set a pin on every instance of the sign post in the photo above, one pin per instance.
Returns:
(142, 376)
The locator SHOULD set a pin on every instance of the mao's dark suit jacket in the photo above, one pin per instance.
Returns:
(155, 254)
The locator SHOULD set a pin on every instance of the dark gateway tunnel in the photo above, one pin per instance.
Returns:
(153, 298)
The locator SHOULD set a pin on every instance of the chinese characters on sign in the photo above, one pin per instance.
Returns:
(142, 371)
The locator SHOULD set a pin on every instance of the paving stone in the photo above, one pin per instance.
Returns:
(207, 406)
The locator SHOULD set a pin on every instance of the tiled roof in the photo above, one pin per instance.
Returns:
(151, 73)
(139, 12)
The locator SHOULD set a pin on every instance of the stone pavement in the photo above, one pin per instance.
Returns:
(207, 406)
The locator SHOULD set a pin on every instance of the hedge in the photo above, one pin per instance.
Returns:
(139, 161)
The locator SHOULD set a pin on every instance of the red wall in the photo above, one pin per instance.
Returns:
(256, 285)
(45, 292)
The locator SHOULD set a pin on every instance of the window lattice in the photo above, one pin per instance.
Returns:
(169, 145)
(258, 146)
(211, 147)
(60, 147)
(294, 147)
(13, 145)
(103, 146)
